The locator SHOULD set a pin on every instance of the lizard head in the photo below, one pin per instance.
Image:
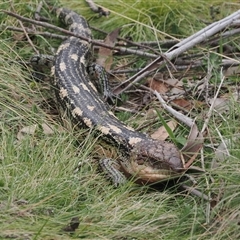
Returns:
(151, 161)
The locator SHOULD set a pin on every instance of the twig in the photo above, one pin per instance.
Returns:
(178, 64)
(95, 8)
(181, 47)
(195, 192)
(140, 75)
(47, 25)
(207, 119)
(96, 42)
(209, 113)
(167, 43)
(190, 123)
(181, 65)
(170, 43)
(37, 12)
(132, 51)
(208, 206)
(224, 35)
(223, 142)
(121, 109)
(33, 32)
(28, 38)
(181, 117)
(139, 45)
(122, 71)
(37, 15)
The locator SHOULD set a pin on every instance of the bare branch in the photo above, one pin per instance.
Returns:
(181, 47)
(50, 26)
(97, 9)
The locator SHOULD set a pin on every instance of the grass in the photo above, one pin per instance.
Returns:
(40, 193)
(155, 20)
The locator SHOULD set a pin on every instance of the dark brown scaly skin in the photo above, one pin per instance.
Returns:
(146, 159)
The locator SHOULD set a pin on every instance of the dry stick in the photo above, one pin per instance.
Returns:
(207, 119)
(130, 42)
(166, 43)
(226, 34)
(179, 48)
(225, 63)
(95, 8)
(121, 49)
(37, 12)
(179, 64)
(181, 117)
(190, 123)
(209, 113)
(96, 42)
(33, 32)
(170, 43)
(130, 51)
(47, 25)
(63, 37)
(96, 29)
(195, 192)
(28, 38)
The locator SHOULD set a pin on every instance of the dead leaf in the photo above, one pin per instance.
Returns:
(161, 133)
(29, 130)
(19, 36)
(105, 54)
(221, 153)
(73, 225)
(220, 104)
(47, 130)
(157, 85)
(232, 71)
(183, 103)
(151, 113)
(192, 146)
(223, 103)
(173, 82)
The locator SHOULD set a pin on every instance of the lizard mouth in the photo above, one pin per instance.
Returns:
(152, 161)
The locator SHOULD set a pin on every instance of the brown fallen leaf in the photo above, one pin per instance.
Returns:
(19, 36)
(73, 225)
(193, 146)
(31, 130)
(105, 54)
(157, 85)
(161, 133)
(183, 103)
(47, 130)
(28, 130)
